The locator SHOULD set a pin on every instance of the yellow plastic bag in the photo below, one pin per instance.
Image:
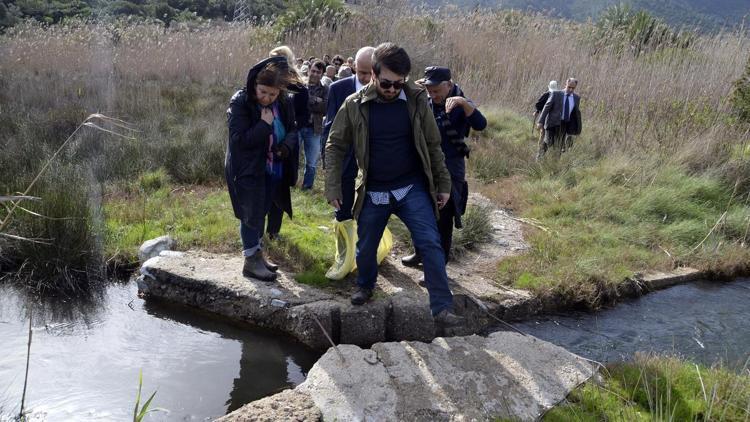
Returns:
(345, 236)
(385, 246)
(345, 233)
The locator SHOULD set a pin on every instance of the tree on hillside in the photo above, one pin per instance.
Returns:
(304, 14)
(622, 28)
(54, 11)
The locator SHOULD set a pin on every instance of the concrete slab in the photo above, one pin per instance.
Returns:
(504, 375)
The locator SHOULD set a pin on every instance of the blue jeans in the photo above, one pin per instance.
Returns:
(251, 236)
(416, 211)
(311, 144)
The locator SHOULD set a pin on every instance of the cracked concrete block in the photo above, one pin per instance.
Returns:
(410, 319)
(363, 325)
(302, 324)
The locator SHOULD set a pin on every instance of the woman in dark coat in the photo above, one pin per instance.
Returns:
(258, 169)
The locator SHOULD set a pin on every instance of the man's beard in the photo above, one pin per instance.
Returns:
(384, 96)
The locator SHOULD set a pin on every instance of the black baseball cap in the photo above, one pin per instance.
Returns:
(433, 75)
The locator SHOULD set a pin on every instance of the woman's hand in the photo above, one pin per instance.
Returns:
(267, 115)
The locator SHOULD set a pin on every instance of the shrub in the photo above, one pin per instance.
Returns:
(741, 95)
(625, 30)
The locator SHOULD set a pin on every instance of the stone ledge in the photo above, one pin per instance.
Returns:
(504, 375)
(399, 311)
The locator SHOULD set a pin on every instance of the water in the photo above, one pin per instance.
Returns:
(706, 322)
(86, 356)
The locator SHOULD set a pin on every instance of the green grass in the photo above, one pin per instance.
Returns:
(653, 388)
(603, 226)
(606, 218)
(201, 217)
(307, 239)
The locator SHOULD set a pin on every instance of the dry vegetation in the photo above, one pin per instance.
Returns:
(659, 119)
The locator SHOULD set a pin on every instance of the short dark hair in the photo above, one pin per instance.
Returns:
(391, 56)
(320, 65)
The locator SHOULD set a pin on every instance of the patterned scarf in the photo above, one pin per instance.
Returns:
(274, 165)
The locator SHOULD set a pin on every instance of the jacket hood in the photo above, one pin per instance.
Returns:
(253, 72)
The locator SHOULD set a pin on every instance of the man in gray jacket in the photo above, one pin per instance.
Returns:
(560, 118)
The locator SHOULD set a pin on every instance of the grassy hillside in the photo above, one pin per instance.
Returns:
(707, 15)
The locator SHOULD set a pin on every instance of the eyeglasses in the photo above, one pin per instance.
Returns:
(338, 63)
(386, 84)
(570, 87)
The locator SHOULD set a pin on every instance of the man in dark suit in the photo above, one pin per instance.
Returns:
(337, 93)
(560, 118)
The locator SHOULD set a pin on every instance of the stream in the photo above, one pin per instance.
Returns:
(86, 354)
(707, 322)
(86, 357)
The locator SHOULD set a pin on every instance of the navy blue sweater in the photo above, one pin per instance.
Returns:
(394, 162)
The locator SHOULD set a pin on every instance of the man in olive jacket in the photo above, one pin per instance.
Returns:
(401, 171)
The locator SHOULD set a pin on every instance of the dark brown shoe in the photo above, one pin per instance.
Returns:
(255, 268)
(446, 319)
(412, 260)
(361, 296)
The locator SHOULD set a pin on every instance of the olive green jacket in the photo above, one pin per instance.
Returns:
(350, 127)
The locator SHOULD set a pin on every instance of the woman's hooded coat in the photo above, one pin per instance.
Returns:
(245, 162)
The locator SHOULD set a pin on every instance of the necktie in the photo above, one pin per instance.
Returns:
(566, 109)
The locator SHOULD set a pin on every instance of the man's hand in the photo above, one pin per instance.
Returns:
(281, 151)
(442, 199)
(336, 204)
(453, 102)
(267, 115)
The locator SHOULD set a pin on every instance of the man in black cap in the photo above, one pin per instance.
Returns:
(455, 116)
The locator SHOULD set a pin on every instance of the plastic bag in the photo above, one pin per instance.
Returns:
(345, 233)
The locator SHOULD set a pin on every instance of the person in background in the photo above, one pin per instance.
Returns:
(297, 90)
(257, 167)
(337, 61)
(311, 130)
(539, 105)
(326, 59)
(337, 93)
(350, 63)
(559, 117)
(455, 115)
(299, 62)
(397, 147)
(344, 72)
(330, 75)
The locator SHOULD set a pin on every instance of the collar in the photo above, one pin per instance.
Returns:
(357, 84)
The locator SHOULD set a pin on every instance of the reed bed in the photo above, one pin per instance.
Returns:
(665, 107)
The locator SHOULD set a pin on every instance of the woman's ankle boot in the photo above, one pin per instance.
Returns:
(255, 268)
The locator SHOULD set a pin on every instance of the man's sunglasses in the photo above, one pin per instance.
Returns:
(397, 85)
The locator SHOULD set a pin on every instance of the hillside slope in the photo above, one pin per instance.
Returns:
(707, 15)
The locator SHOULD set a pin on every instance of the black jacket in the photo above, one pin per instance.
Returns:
(541, 101)
(245, 162)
